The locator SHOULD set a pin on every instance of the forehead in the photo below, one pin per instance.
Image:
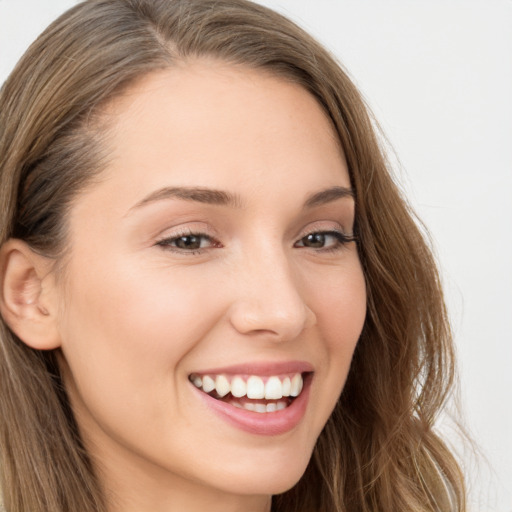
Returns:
(217, 125)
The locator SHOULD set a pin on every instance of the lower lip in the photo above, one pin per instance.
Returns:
(263, 424)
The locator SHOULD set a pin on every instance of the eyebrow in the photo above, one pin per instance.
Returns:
(328, 196)
(196, 194)
(223, 198)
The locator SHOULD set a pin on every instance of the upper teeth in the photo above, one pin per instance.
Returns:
(251, 386)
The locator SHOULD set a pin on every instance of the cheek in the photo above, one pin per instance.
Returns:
(340, 309)
(339, 304)
(126, 335)
(139, 308)
(125, 330)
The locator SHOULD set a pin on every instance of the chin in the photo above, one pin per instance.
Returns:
(267, 478)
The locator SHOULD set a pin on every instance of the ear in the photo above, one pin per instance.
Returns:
(28, 295)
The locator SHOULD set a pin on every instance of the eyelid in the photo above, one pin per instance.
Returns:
(326, 228)
(165, 242)
(341, 237)
(326, 225)
(177, 236)
(186, 229)
(327, 231)
(332, 228)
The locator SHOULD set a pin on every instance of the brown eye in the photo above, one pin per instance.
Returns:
(328, 240)
(190, 242)
(315, 240)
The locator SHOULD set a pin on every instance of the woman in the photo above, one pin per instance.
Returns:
(212, 292)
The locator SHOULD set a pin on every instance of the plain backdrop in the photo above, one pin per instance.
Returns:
(438, 76)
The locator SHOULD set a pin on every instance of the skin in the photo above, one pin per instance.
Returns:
(137, 318)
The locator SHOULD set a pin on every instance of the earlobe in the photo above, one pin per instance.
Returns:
(27, 295)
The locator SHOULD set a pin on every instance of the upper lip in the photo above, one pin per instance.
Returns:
(260, 368)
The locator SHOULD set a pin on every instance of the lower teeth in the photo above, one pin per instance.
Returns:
(261, 408)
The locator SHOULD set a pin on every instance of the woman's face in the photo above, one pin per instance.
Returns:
(216, 248)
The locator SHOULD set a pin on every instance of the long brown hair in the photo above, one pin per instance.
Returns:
(379, 450)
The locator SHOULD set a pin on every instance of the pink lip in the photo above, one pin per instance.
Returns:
(266, 424)
(261, 369)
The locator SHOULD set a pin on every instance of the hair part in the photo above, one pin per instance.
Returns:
(379, 450)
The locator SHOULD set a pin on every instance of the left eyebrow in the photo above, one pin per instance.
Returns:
(328, 196)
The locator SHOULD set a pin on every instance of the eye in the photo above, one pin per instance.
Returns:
(188, 242)
(325, 240)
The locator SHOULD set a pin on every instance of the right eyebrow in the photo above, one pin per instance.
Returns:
(197, 194)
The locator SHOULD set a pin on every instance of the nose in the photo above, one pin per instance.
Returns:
(269, 300)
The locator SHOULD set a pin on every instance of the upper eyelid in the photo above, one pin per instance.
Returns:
(216, 243)
(208, 231)
(340, 231)
(321, 227)
(343, 239)
(177, 232)
(178, 235)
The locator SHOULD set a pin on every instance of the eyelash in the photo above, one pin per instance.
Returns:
(341, 240)
(167, 243)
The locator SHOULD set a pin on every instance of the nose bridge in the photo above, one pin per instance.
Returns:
(269, 297)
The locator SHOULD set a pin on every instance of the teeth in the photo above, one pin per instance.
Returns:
(208, 384)
(254, 387)
(222, 385)
(260, 408)
(281, 406)
(296, 385)
(273, 389)
(238, 387)
(287, 386)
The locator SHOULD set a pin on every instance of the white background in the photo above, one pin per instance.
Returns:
(438, 75)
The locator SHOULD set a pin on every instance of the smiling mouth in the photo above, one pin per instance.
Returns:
(252, 392)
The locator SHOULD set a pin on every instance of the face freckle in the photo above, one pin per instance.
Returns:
(199, 259)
